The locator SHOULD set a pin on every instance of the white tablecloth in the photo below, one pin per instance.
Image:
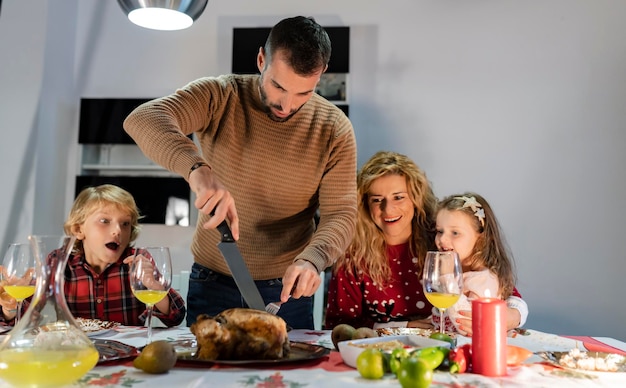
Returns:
(330, 371)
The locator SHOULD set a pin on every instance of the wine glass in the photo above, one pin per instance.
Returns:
(443, 281)
(18, 274)
(151, 278)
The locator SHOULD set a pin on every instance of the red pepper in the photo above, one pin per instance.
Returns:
(460, 359)
(458, 364)
(467, 350)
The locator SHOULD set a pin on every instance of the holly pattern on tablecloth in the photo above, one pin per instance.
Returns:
(117, 379)
(272, 381)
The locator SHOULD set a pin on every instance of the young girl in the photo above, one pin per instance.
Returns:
(465, 223)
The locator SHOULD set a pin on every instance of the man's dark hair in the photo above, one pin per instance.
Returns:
(304, 42)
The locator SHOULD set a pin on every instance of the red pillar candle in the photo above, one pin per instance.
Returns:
(489, 336)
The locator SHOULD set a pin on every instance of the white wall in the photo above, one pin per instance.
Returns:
(22, 43)
(523, 102)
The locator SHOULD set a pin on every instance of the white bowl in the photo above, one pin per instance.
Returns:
(350, 351)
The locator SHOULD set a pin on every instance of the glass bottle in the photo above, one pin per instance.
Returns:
(47, 348)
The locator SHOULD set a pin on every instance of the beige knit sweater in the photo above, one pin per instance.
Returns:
(278, 173)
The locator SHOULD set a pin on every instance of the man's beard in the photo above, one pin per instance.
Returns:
(267, 106)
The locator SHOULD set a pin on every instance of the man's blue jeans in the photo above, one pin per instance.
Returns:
(211, 293)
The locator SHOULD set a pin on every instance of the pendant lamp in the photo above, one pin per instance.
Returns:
(166, 15)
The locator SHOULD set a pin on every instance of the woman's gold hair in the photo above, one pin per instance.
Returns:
(367, 251)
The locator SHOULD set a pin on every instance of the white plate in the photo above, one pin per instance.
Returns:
(98, 333)
(555, 358)
(95, 327)
(387, 331)
(350, 350)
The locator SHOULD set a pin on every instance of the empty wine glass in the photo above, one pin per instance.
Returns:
(151, 278)
(18, 274)
(443, 281)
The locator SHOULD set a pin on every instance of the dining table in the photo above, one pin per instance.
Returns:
(327, 369)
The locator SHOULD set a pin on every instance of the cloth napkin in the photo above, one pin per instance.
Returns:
(593, 345)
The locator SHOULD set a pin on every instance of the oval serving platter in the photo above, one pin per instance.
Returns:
(109, 350)
(602, 359)
(300, 352)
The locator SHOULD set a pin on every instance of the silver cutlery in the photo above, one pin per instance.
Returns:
(273, 307)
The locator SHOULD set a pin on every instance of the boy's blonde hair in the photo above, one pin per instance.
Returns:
(92, 197)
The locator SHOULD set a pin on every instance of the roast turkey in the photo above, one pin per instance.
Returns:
(241, 334)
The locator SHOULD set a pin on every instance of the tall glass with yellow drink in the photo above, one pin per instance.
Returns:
(47, 348)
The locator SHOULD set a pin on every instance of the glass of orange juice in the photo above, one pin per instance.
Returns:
(46, 348)
(151, 278)
(18, 274)
(443, 281)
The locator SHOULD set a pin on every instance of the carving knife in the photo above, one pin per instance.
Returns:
(238, 268)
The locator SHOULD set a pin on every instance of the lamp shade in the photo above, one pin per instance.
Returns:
(163, 14)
